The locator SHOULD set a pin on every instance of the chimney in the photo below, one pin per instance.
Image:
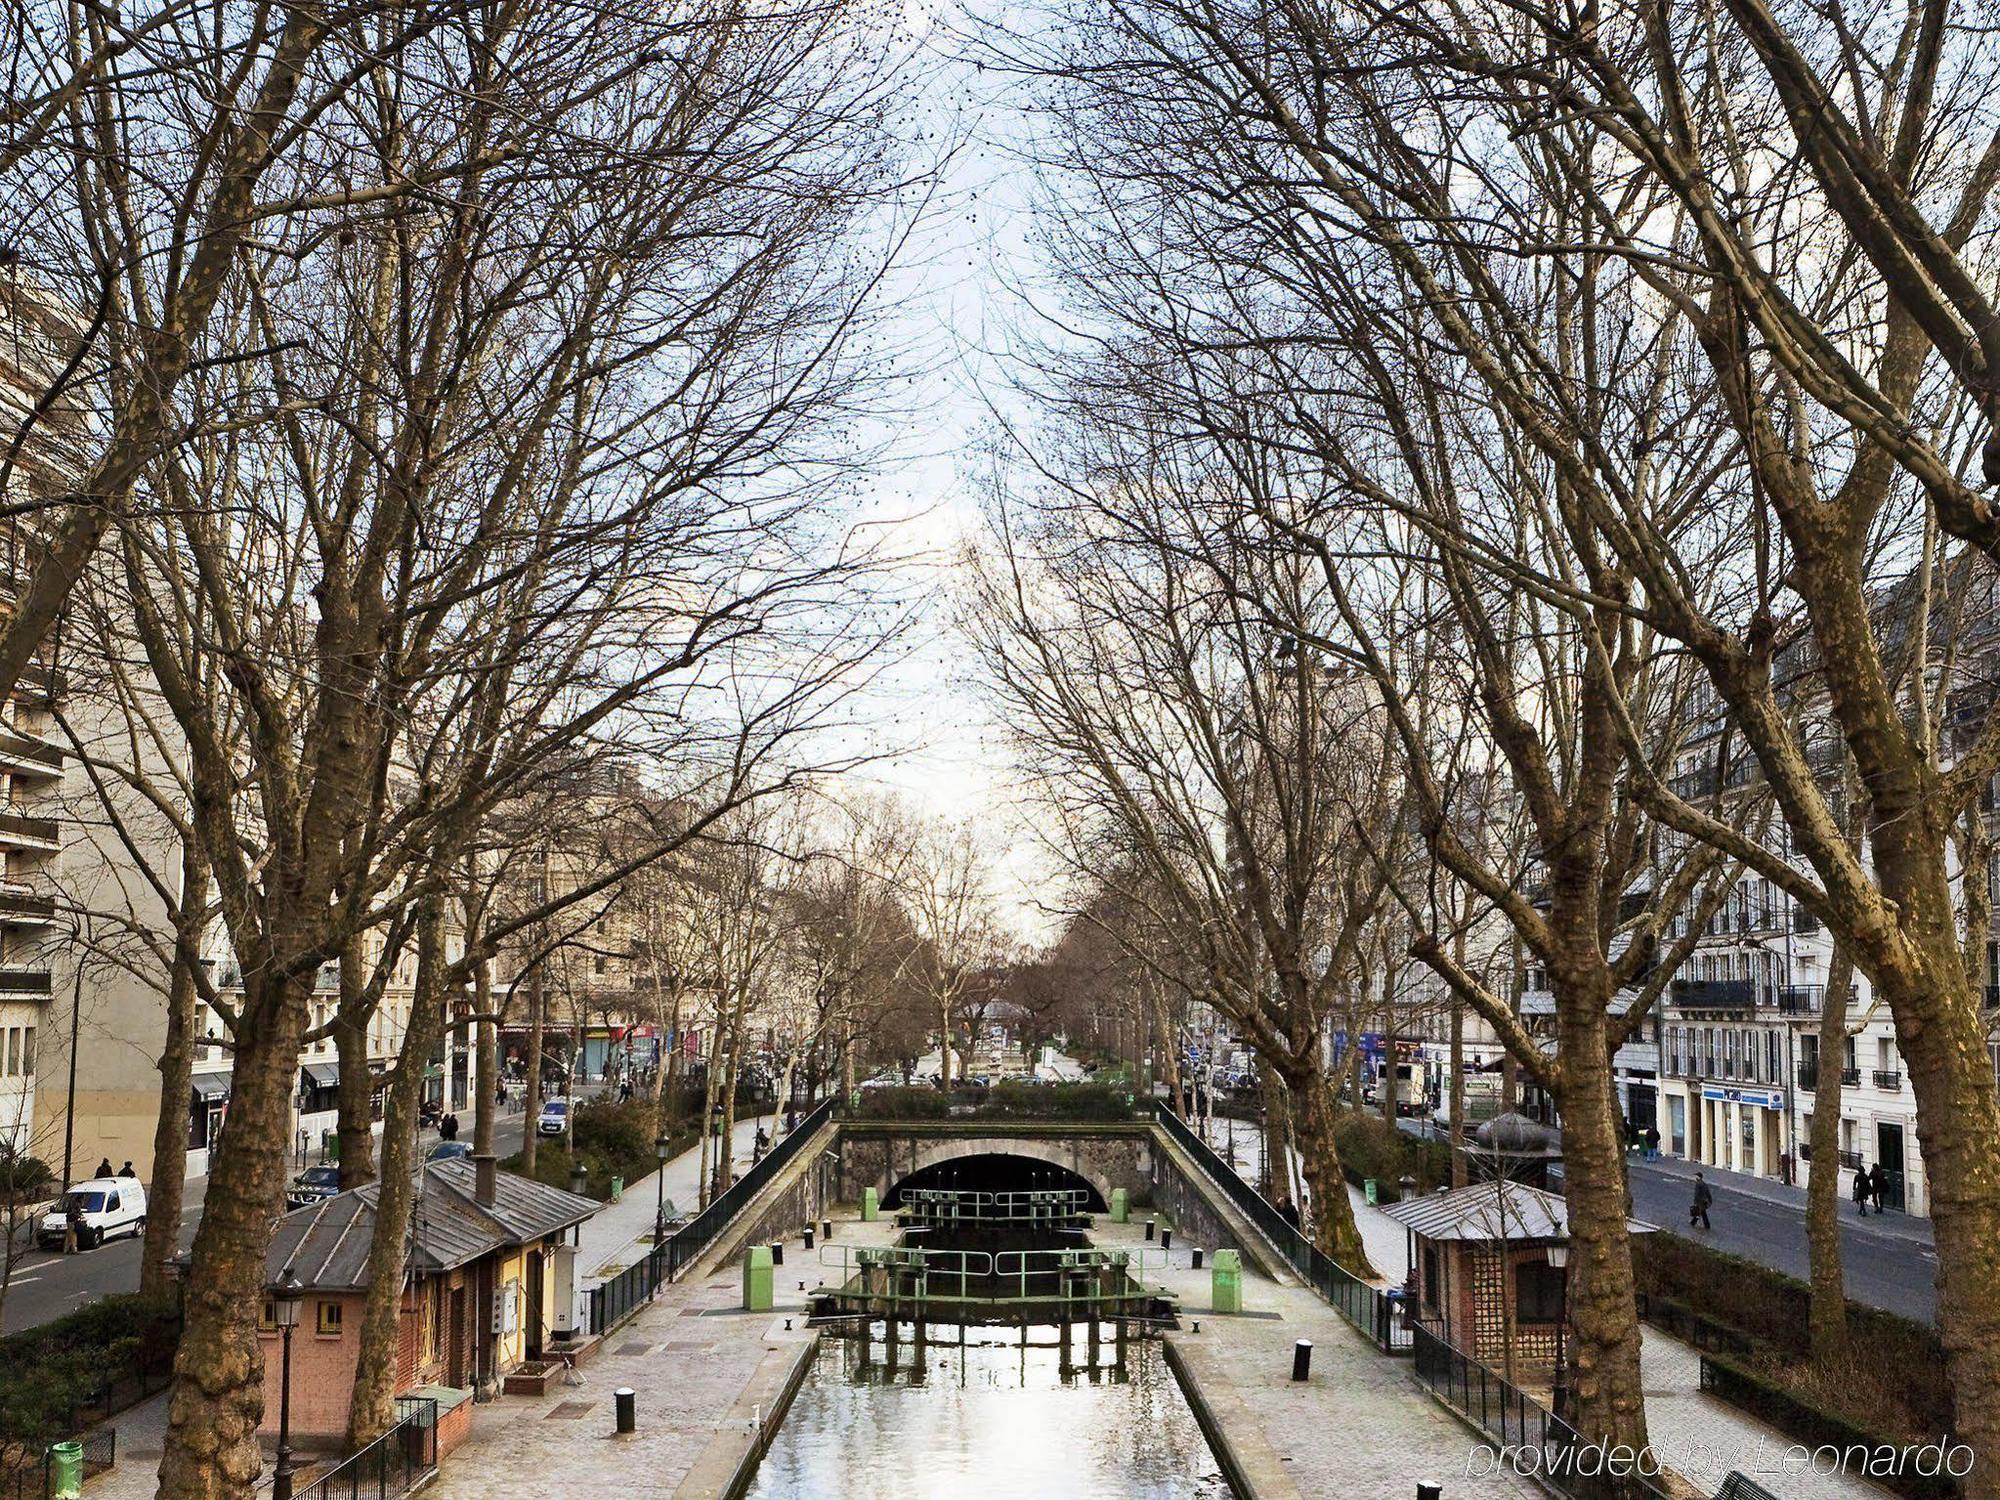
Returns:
(485, 1177)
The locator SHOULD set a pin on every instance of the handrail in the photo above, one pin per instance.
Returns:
(1372, 1309)
(613, 1301)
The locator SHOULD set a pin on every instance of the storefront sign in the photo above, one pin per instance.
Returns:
(1762, 1098)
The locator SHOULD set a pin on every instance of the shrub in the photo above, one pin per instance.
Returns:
(1371, 1146)
(1015, 1100)
(92, 1357)
(612, 1139)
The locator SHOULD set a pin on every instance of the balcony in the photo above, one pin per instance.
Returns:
(33, 983)
(26, 757)
(18, 832)
(1715, 994)
(1809, 1076)
(1889, 1078)
(20, 907)
(1804, 922)
(1801, 999)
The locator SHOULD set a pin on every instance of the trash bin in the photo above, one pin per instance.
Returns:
(617, 1190)
(1368, 1189)
(757, 1279)
(1121, 1206)
(871, 1205)
(65, 1470)
(1225, 1282)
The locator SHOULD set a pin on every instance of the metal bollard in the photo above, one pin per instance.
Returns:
(1149, 1229)
(826, 1229)
(1302, 1359)
(777, 1252)
(1430, 1491)
(809, 1236)
(1198, 1253)
(1166, 1239)
(628, 1408)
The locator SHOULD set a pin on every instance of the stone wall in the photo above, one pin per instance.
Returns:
(1107, 1157)
(1195, 1220)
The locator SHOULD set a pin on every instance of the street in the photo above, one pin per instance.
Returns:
(1888, 1261)
(48, 1284)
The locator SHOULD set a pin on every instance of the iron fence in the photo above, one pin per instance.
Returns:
(613, 1301)
(392, 1465)
(1376, 1312)
(1529, 1437)
(26, 1475)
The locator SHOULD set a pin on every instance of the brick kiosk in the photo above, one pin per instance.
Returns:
(483, 1291)
(1482, 1252)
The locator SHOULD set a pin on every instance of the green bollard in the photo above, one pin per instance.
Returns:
(1121, 1206)
(617, 1190)
(65, 1470)
(871, 1205)
(757, 1279)
(1368, 1189)
(1225, 1283)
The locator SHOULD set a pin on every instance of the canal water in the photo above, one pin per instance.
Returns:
(993, 1417)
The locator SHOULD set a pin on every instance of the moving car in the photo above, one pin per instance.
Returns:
(313, 1185)
(102, 1209)
(554, 1118)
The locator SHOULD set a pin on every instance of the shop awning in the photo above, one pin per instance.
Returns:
(211, 1088)
(325, 1075)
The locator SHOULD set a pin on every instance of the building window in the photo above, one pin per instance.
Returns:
(1538, 1288)
(267, 1316)
(327, 1319)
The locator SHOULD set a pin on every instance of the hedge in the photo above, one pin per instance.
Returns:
(1893, 1382)
(1763, 1397)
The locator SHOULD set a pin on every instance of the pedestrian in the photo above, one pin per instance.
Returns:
(1861, 1190)
(625, 1092)
(1704, 1196)
(104, 1167)
(1878, 1186)
(1652, 1143)
(449, 1128)
(126, 1170)
(1288, 1211)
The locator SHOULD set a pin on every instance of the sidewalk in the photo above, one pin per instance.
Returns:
(611, 1238)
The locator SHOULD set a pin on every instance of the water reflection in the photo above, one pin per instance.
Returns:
(998, 1416)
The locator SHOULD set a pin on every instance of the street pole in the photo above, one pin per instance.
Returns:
(286, 1298)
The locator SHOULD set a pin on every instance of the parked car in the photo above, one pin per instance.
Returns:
(554, 1118)
(313, 1185)
(102, 1209)
(446, 1150)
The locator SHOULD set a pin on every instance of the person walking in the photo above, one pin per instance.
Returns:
(1861, 1187)
(1652, 1143)
(1704, 1198)
(104, 1167)
(126, 1170)
(1878, 1186)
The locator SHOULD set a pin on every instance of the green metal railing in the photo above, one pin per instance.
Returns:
(1006, 1278)
(946, 1206)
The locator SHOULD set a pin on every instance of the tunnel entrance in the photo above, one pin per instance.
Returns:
(996, 1172)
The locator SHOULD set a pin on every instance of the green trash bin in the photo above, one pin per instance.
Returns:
(1368, 1189)
(757, 1279)
(65, 1470)
(1225, 1282)
(871, 1205)
(1121, 1206)
(617, 1190)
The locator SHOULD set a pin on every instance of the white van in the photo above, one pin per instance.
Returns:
(104, 1208)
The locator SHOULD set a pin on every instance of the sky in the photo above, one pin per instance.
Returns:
(956, 301)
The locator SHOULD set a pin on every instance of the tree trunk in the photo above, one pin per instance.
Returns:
(217, 1398)
(485, 1060)
(1603, 1340)
(711, 1076)
(532, 1099)
(1272, 1179)
(165, 1192)
(1391, 1055)
(944, 1045)
(355, 1087)
(1333, 1226)
(372, 1408)
(1827, 1317)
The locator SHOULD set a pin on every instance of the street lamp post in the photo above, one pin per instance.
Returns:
(286, 1299)
(660, 1148)
(1559, 1259)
